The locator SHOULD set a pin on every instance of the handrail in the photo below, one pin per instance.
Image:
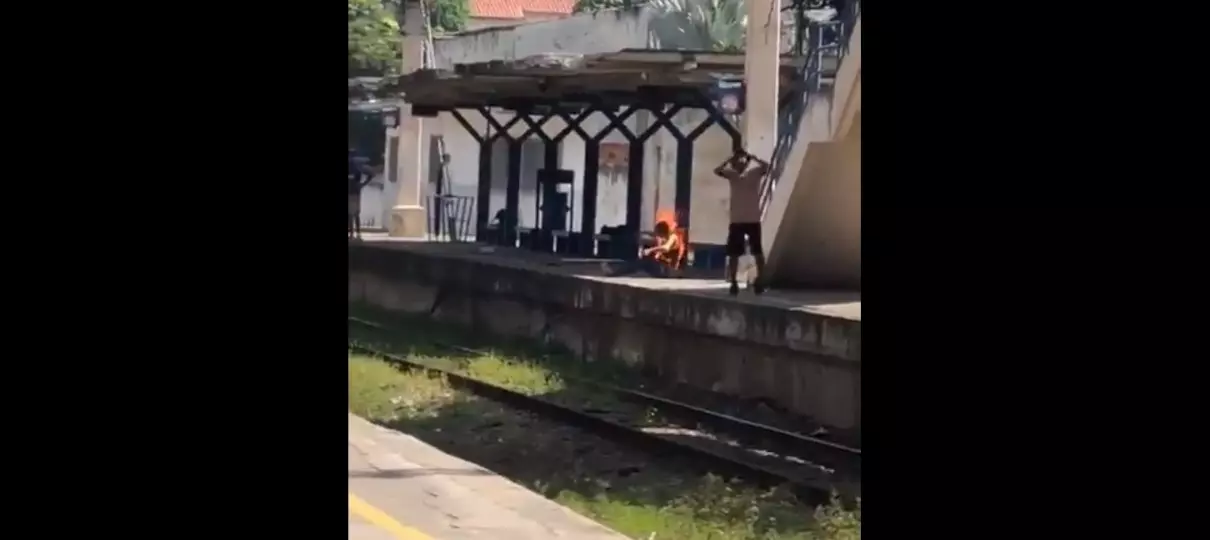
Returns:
(430, 61)
(826, 40)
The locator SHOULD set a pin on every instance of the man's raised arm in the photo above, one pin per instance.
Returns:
(724, 170)
(761, 164)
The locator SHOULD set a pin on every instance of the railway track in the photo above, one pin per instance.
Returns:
(814, 467)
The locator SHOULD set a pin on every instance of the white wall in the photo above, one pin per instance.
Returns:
(709, 203)
(483, 23)
(378, 197)
(710, 196)
(374, 206)
(818, 244)
(605, 31)
(587, 33)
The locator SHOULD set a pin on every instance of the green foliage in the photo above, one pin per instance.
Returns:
(833, 522)
(449, 15)
(375, 44)
(375, 36)
(721, 23)
(590, 6)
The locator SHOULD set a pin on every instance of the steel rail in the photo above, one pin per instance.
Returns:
(805, 484)
(720, 421)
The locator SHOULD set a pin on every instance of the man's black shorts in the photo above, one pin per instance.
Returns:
(737, 232)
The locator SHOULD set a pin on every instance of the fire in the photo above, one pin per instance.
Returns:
(666, 215)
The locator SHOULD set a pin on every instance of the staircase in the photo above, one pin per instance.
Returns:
(810, 213)
(430, 62)
(827, 42)
(448, 214)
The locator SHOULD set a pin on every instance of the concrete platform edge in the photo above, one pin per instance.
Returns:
(508, 495)
(794, 329)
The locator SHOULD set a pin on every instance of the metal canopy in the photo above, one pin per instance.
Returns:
(574, 87)
(575, 81)
(375, 106)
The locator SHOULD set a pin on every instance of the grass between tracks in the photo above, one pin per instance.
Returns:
(625, 489)
(532, 368)
(530, 363)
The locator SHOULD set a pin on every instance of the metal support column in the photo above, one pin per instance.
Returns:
(482, 212)
(588, 204)
(550, 151)
(508, 225)
(663, 118)
(550, 156)
(634, 187)
(592, 157)
(634, 191)
(512, 191)
(684, 179)
(582, 241)
(684, 157)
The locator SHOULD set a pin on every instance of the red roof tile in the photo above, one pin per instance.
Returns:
(517, 9)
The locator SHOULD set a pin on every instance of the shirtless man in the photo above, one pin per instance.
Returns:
(745, 215)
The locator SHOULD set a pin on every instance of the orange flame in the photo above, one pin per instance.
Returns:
(666, 215)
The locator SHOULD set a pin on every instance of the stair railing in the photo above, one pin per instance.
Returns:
(429, 61)
(825, 40)
(450, 213)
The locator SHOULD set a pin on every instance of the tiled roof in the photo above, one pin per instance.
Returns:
(517, 9)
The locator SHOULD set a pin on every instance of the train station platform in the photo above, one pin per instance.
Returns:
(836, 304)
(401, 488)
(798, 349)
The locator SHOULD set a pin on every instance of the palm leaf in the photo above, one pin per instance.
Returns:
(721, 23)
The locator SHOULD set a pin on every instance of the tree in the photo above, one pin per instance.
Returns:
(375, 44)
(721, 23)
(375, 38)
(592, 6)
(449, 15)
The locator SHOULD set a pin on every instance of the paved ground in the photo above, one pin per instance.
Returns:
(401, 488)
(362, 529)
(840, 304)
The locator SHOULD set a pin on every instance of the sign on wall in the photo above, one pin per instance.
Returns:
(614, 154)
(729, 96)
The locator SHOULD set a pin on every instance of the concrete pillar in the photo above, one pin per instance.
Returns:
(407, 215)
(761, 65)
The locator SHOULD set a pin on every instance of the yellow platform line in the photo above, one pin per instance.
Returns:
(384, 521)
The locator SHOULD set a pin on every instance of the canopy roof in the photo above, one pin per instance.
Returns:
(631, 76)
